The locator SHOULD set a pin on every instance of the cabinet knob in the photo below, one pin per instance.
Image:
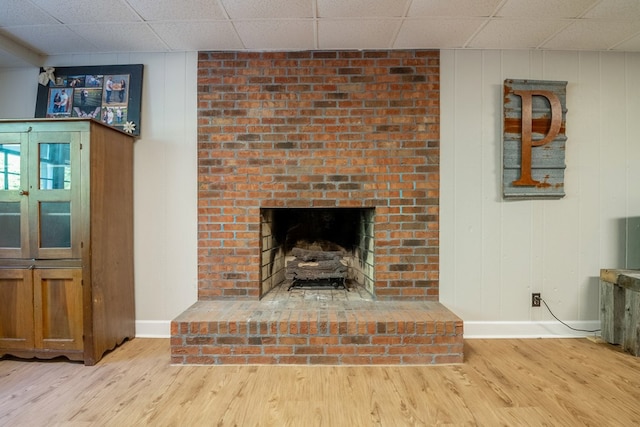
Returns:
(24, 193)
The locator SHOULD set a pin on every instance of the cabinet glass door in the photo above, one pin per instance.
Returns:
(14, 187)
(54, 195)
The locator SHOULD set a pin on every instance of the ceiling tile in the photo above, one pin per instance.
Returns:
(47, 26)
(276, 34)
(244, 9)
(453, 8)
(172, 10)
(198, 35)
(592, 34)
(356, 34)
(547, 9)
(436, 33)
(51, 39)
(21, 12)
(618, 9)
(125, 37)
(631, 45)
(81, 11)
(515, 33)
(361, 8)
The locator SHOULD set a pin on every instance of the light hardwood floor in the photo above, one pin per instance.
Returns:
(558, 382)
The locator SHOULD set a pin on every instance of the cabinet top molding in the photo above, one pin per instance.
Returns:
(80, 122)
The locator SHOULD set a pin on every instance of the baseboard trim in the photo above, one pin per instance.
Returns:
(546, 329)
(153, 328)
(472, 329)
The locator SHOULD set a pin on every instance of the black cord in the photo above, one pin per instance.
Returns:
(570, 327)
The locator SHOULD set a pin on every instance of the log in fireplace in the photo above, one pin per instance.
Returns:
(314, 266)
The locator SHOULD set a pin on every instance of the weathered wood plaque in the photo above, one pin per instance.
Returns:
(534, 139)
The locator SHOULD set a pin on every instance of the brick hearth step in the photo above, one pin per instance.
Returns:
(317, 332)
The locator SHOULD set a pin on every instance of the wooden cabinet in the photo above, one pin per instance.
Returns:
(66, 239)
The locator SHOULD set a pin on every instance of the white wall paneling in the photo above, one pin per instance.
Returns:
(18, 91)
(555, 247)
(493, 253)
(165, 211)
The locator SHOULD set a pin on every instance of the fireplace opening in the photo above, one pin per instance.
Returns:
(317, 247)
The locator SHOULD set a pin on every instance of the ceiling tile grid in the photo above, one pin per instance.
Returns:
(122, 37)
(276, 34)
(83, 11)
(545, 9)
(166, 10)
(268, 9)
(455, 8)
(615, 9)
(51, 27)
(198, 36)
(447, 33)
(516, 33)
(20, 12)
(592, 34)
(357, 33)
(361, 8)
(51, 39)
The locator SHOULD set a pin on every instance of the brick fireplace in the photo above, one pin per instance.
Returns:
(350, 134)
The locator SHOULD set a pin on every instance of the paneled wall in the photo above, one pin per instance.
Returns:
(165, 209)
(494, 253)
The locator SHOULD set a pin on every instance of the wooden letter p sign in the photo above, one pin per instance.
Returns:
(534, 139)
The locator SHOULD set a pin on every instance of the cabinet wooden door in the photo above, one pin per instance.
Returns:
(16, 309)
(57, 302)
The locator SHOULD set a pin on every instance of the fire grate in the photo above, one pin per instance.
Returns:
(317, 268)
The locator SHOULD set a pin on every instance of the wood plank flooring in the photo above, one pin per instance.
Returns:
(533, 382)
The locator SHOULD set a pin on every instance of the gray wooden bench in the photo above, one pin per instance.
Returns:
(620, 308)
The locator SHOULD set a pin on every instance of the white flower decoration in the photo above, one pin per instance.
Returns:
(47, 76)
(129, 127)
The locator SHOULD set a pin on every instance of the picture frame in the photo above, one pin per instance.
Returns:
(107, 93)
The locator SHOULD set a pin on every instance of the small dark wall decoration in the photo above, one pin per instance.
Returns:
(107, 93)
(534, 139)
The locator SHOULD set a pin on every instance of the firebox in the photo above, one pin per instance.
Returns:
(316, 247)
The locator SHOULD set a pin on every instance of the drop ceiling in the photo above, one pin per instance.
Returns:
(32, 30)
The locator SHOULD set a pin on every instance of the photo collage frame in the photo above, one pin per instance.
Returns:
(109, 94)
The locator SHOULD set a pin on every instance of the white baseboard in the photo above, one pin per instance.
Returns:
(153, 328)
(546, 329)
(472, 329)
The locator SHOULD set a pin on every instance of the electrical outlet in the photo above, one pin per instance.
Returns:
(535, 299)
